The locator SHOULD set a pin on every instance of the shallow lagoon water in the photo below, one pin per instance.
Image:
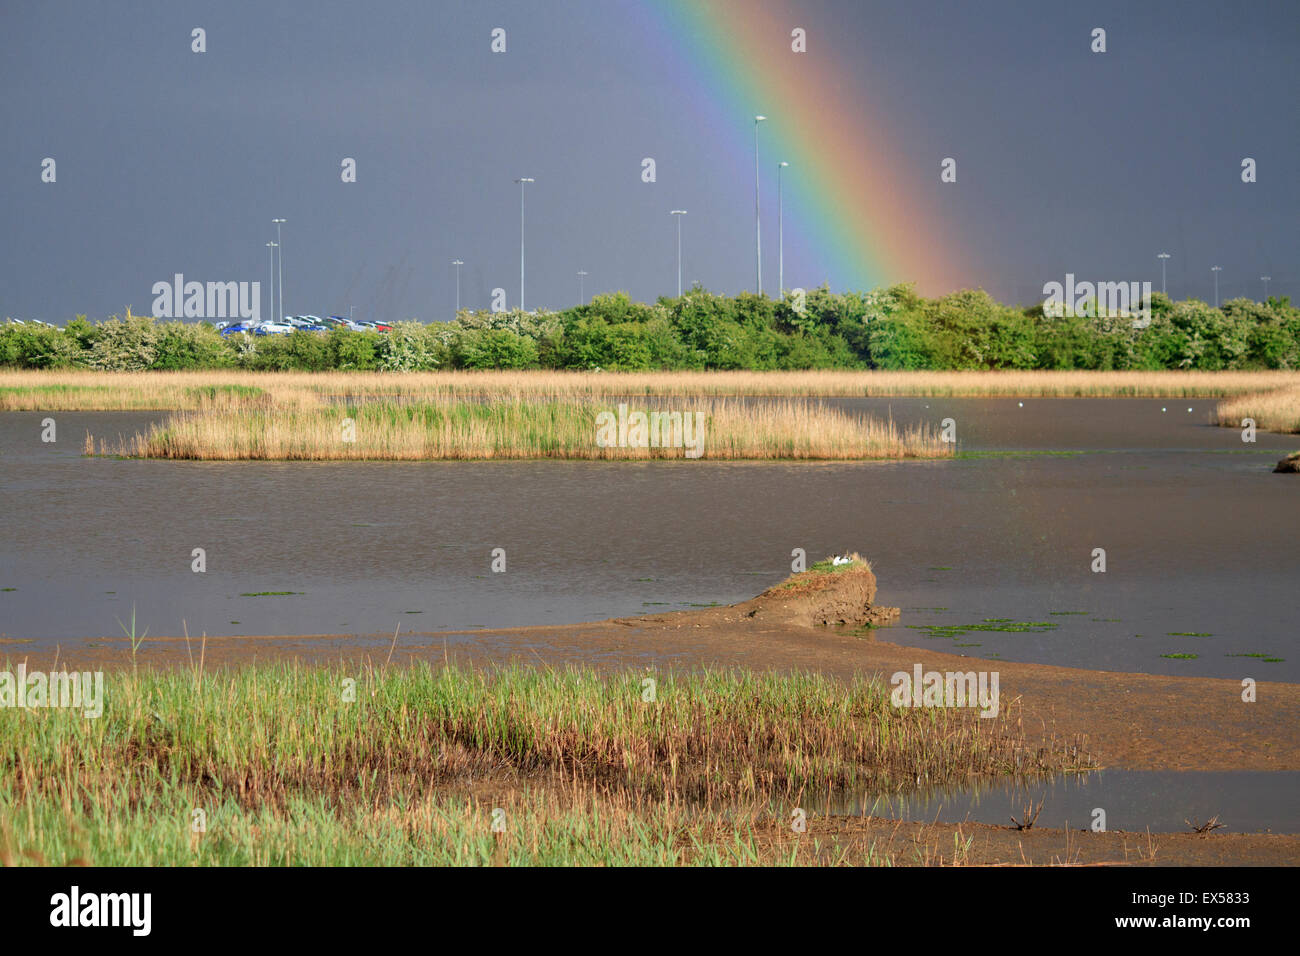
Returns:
(1133, 800)
(1199, 537)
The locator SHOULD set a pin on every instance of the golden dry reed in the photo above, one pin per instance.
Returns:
(727, 429)
(1275, 411)
(89, 390)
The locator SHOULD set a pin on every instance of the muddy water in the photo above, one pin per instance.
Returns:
(1199, 537)
(1133, 800)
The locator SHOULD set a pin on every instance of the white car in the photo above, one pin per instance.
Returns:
(273, 328)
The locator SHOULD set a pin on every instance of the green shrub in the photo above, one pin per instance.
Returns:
(408, 347)
(125, 345)
(494, 348)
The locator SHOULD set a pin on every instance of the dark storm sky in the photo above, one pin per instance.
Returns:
(170, 161)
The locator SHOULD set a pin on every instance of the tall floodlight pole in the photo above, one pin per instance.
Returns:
(279, 243)
(272, 247)
(582, 298)
(521, 181)
(780, 233)
(758, 225)
(1162, 256)
(1265, 280)
(457, 263)
(679, 213)
(1216, 270)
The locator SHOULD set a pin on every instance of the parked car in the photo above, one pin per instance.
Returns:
(273, 328)
(339, 322)
(237, 327)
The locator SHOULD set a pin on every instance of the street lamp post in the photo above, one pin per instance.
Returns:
(1265, 280)
(679, 213)
(758, 225)
(582, 274)
(280, 245)
(1162, 257)
(1216, 270)
(457, 263)
(521, 181)
(780, 232)
(272, 246)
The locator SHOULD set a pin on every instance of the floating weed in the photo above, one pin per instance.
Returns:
(1000, 624)
(268, 593)
(864, 630)
(1190, 634)
(1028, 453)
(1266, 658)
(1180, 656)
(1067, 613)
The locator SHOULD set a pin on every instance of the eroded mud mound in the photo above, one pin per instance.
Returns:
(815, 598)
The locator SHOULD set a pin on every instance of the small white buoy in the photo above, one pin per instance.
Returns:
(1021, 404)
(1162, 409)
(1189, 409)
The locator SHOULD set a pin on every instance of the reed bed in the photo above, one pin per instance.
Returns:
(288, 770)
(123, 391)
(514, 429)
(1274, 411)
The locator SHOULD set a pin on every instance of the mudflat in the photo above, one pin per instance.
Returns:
(824, 624)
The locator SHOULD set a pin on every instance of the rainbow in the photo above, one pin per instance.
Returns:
(844, 204)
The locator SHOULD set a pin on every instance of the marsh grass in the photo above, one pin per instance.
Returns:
(288, 771)
(118, 391)
(1277, 410)
(519, 429)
